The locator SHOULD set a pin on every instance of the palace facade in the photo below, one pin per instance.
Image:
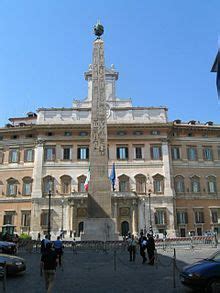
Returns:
(167, 172)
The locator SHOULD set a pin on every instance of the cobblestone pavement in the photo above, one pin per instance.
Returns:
(96, 272)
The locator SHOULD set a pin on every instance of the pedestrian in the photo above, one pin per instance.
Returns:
(38, 236)
(132, 243)
(58, 246)
(150, 248)
(44, 243)
(74, 246)
(142, 247)
(48, 266)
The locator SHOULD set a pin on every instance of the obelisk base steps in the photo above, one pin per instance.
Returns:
(100, 229)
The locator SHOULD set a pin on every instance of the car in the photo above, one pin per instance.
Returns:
(8, 247)
(14, 264)
(203, 275)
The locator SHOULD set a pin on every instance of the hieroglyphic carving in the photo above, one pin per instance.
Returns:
(99, 124)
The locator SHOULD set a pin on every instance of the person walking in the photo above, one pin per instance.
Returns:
(150, 248)
(58, 246)
(132, 243)
(48, 266)
(142, 247)
(44, 244)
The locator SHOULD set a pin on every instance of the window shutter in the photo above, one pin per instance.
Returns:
(33, 153)
(186, 217)
(126, 153)
(151, 153)
(160, 152)
(10, 156)
(118, 154)
(15, 189)
(165, 217)
(54, 153)
(156, 218)
(87, 153)
(78, 153)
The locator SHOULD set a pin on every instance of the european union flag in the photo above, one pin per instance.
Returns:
(112, 176)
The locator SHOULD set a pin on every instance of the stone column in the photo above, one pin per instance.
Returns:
(134, 222)
(167, 187)
(37, 171)
(37, 188)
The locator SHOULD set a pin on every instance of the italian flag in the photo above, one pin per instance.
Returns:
(86, 184)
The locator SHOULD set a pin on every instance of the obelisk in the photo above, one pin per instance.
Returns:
(99, 225)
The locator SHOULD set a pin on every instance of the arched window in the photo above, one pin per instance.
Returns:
(81, 182)
(211, 182)
(48, 184)
(65, 184)
(27, 186)
(80, 228)
(12, 186)
(124, 228)
(124, 184)
(158, 181)
(195, 184)
(179, 184)
(140, 183)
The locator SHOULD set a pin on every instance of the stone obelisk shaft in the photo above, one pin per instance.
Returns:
(99, 201)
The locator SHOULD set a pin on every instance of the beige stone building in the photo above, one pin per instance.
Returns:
(167, 172)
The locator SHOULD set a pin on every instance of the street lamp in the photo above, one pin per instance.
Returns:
(148, 182)
(62, 202)
(49, 207)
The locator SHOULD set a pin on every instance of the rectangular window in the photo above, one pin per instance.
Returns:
(83, 153)
(156, 152)
(66, 153)
(175, 151)
(12, 189)
(211, 187)
(199, 217)
(207, 154)
(13, 156)
(182, 217)
(29, 155)
(25, 218)
(27, 188)
(44, 219)
(160, 217)
(122, 153)
(192, 153)
(50, 154)
(138, 152)
(158, 186)
(8, 218)
(214, 216)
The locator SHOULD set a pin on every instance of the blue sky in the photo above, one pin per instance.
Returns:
(163, 51)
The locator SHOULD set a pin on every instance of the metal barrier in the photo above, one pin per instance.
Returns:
(187, 242)
(168, 243)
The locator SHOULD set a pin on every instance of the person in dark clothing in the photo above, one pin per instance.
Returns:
(142, 247)
(150, 248)
(44, 244)
(48, 266)
(58, 246)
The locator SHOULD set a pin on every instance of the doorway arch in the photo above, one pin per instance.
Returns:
(80, 228)
(124, 228)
